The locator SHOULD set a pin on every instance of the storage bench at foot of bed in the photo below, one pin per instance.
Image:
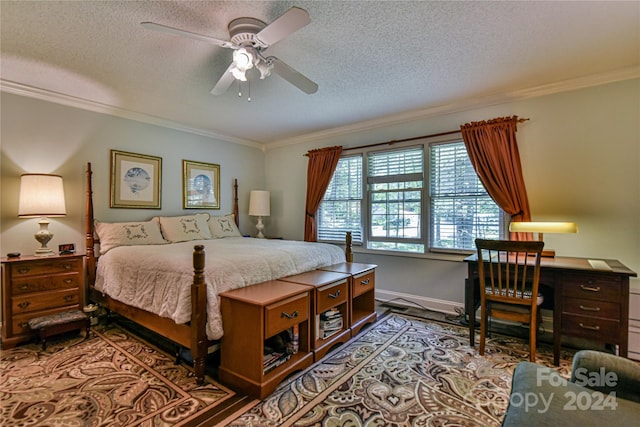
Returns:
(266, 335)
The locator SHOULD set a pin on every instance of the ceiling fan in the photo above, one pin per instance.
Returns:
(249, 39)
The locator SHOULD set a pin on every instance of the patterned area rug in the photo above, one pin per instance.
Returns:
(403, 371)
(110, 379)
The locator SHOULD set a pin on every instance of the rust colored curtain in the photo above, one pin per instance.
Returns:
(322, 164)
(493, 151)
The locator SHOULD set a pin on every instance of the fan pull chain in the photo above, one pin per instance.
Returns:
(248, 90)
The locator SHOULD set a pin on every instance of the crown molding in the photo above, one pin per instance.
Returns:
(97, 107)
(465, 105)
(391, 120)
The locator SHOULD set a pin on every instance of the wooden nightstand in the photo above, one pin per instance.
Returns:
(38, 286)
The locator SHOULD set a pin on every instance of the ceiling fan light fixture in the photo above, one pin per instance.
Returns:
(243, 59)
(239, 74)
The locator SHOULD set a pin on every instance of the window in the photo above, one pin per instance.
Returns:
(395, 182)
(410, 205)
(341, 207)
(461, 209)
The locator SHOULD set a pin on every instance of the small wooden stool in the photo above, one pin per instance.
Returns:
(59, 323)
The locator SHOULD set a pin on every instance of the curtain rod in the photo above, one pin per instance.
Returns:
(396, 141)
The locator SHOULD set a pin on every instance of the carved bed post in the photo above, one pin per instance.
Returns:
(236, 212)
(198, 314)
(89, 242)
(348, 250)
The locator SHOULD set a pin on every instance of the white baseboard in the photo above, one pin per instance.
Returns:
(443, 306)
(448, 307)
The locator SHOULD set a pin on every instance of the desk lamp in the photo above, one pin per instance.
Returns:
(544, 227)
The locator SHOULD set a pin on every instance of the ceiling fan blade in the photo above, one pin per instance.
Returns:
(224, 82)
(292, 20)
(293, 76)
(171, 30)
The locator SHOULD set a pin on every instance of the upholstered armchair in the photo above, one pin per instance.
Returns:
(604, 390)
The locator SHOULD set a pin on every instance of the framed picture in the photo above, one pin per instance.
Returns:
(135, 180)
(200, 185)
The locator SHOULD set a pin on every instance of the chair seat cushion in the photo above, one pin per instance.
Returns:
(519, 294)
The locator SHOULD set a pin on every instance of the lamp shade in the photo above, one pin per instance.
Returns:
(41, 195)
(259, 204)
(543, 227)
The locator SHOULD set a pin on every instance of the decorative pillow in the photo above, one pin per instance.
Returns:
(223, 226)
(114, 234)
(185, 228)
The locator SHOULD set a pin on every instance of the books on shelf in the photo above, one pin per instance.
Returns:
(274, 360)
(329, 323)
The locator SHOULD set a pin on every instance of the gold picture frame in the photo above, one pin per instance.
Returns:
(136, 180)
(200, 185)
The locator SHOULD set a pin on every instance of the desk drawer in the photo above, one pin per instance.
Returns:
(592, 286)
(604, 330)
(331, 295)
(285, 314)
(591, 308)
(363, 283)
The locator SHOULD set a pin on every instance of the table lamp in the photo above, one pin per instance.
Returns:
(41, 195)
(544, 227)
(259, 206)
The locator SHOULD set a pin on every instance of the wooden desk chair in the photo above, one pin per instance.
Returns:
(509, 273)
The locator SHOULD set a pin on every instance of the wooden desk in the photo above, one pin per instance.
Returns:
(590, 299)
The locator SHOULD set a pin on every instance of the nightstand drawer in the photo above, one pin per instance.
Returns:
(330, 296)
(591, 308)
(45, 283)
(33, 302)
(285, 314)
(590, 327)
(604, 288)
(47, 266)
(363, 283)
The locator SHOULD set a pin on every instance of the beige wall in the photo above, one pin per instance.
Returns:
(580, 155)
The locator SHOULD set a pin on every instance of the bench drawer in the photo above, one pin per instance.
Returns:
(285, 314)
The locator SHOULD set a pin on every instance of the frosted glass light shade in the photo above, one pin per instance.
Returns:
(259, 204)
(41, 195)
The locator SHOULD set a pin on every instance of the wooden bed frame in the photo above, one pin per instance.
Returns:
(191, 335)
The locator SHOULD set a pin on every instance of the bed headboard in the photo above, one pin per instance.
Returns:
(90, 237)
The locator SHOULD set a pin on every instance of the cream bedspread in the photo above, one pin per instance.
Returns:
(158, 278)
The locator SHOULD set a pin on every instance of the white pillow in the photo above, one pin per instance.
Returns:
(223, 226)
(116, 234)
(185, 228)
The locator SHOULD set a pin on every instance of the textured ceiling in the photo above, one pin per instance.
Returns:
(371, 59)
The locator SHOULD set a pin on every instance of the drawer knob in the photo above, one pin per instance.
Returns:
(586, 308)
(289, 316)
(23, 325)
(24, 304)
(364, 282)
(590, 327)
(68, 298)
(335, 295)
(590, 288)
(67, 281)
(24, 286)
(66, 266)
(23, 270)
